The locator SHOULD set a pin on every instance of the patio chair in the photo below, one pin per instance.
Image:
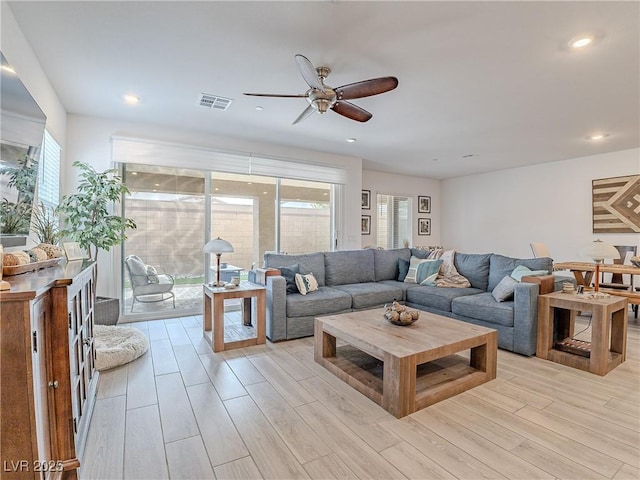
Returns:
(147, 282)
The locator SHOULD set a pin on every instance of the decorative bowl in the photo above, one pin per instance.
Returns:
(400, 315)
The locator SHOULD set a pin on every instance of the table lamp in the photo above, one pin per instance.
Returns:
(218, 246)
(598, 251)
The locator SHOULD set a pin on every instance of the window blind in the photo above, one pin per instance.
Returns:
(49, 172)
(141, 151)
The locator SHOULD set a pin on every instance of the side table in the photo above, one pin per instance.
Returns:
(556, 316)
(214, 298)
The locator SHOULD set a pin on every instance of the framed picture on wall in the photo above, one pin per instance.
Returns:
(365, 225)
(366, 199)
(424, 204)
(424, 226)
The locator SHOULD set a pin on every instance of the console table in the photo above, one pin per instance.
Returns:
(609, 316)
(48, 374)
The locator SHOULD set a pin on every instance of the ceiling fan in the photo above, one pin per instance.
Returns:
(322, 97)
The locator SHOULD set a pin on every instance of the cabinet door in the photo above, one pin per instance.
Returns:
(42, 381)
(81, 355)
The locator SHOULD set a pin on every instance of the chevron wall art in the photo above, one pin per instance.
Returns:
(616, 204)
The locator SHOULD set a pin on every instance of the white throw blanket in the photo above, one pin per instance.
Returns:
(449, 276)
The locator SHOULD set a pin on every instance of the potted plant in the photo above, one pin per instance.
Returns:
(88, 220)
(14, 222)
(45, 224)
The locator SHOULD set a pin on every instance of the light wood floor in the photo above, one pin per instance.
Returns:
(181, 411)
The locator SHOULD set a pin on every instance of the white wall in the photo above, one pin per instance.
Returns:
(19, 54)
(504, 211)
(89, 140)
(400, 185)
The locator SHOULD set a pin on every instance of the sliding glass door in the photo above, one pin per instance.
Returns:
(168, 206)
(178, 210)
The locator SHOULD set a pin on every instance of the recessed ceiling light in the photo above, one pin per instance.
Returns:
(581, 41)
(134, 173)
(351, 140)
(598, 136)
(156, 184)
(259, 108)
(264, 193)
(131, 99)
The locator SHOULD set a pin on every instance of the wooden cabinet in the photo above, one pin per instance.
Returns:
(47, 371)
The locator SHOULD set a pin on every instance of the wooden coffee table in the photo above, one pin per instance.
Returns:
(419, 365)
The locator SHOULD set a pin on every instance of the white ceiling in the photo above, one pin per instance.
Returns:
(492, 79)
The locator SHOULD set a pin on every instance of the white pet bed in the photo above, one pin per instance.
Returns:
(117, 346)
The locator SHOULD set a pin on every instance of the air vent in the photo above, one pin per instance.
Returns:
(215, 102)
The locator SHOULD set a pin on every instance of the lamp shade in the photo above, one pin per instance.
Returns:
(218, 246)
(599, 250)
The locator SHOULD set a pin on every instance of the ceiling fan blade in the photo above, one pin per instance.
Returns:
(349, 110)
(366, 88)
(306, 113)
(308, 72)
(275, 95)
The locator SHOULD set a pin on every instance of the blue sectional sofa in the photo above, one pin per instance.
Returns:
(364, 279)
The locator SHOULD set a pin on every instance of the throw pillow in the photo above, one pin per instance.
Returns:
(412, 273)
(306, 283)
(428, 272)
(152, 275)
(289, 274)
(505, 288)
(522, 271)
(403, 268)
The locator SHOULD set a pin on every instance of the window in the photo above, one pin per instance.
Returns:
(49, 172)
(305, 216)
(394, 221)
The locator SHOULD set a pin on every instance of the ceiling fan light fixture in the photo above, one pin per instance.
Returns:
(322, 105)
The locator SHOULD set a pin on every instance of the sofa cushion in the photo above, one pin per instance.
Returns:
(484, 307)
(307, 263)
(475, 268)
(349, 266)
(501, 266)
(324, 301)
(401, 285)
(385, 262)
(436, 297)
(367, 295)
